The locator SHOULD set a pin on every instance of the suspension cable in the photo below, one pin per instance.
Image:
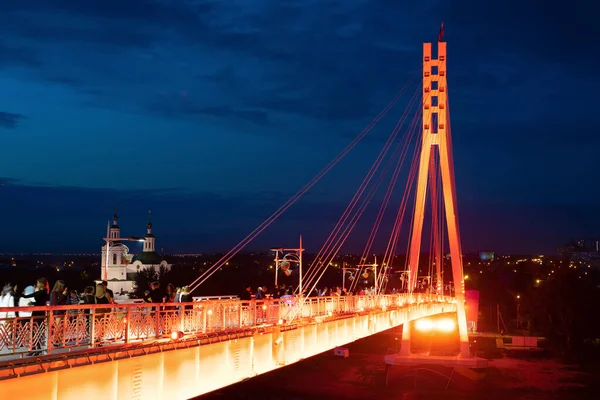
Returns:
(392, 242)
(334, 238)
(412, 132)
(395, 235)
(244, 242)
(397, 153)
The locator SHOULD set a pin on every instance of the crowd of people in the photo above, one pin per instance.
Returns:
(283, 291)
(40, 295)
(171, 294)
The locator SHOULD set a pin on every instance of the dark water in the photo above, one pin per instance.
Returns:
(363, 376)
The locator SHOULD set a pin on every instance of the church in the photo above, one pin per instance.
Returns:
(119, 266)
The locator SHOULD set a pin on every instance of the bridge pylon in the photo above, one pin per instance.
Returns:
(435, 134)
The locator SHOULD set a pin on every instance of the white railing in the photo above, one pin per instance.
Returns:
(64, 328)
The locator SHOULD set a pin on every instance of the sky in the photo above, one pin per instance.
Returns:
(213, 113)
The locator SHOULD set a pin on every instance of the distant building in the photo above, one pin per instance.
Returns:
(122, 266)
(582, 250)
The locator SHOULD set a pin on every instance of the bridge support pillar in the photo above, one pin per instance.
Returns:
(405, 343)
(463, 333)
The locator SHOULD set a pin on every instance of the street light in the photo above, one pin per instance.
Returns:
(372, 267)
(518, 309)
(351, 277)
(108, 240)
(404, 277)
(295, 255)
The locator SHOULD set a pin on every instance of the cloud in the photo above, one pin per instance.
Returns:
(180, 104)
(156, 11)
(11, 56)
(10, 120)
(317, 71)
(283, 62)
(564, 33)
(55, 218)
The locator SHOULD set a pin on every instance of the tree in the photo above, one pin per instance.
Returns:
(562, 310)
(145, 276)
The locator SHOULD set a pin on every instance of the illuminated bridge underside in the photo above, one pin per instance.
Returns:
(192, 371)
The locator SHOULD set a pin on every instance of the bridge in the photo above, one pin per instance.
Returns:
(183, 350)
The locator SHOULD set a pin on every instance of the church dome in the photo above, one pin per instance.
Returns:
(148, 258)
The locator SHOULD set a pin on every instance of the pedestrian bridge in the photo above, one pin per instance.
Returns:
(183, 350)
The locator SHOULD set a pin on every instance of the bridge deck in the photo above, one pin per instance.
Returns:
(68, 328)
(211, 354)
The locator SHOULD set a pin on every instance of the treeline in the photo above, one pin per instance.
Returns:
(556, 302)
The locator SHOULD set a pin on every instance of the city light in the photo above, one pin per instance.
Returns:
(176, 335)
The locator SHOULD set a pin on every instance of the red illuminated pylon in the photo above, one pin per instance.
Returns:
(436, 135)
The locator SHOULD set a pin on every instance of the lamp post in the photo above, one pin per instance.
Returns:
(109, 240)
(294, 255)
(518, 309)
(344, 269)
(372, 267)
(404, 279)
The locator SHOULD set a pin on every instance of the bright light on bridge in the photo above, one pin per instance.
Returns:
(440, 325)
(445, 325)
(176, 335)
(424, 325)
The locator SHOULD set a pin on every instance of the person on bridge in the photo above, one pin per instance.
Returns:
(155, 295)
(40, 297)
(58, 296)
(186, 297)
(261, 294)
(169, 296)
(108, 293)
(24, 302)
(88, 297)
(7, 299)
(281, 291)
(246, 294)
(101, 298)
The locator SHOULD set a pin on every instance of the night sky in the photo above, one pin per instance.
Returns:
(212, 113)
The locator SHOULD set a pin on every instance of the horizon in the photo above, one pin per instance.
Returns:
(309, 254)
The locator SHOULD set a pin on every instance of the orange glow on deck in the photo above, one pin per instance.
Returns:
(192, 368)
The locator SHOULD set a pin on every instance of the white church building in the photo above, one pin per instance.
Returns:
(119, 267)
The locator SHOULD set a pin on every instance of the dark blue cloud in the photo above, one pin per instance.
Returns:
(65, 219)
(231, 96)
(11, 56)
(9, 120)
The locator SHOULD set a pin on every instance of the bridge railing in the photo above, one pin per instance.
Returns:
(47, 330)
